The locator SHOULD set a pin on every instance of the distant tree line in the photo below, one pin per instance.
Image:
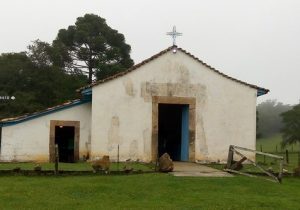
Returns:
(34, 87)
(291, 127)
(48, 74)
(269, 119)
(275, 117)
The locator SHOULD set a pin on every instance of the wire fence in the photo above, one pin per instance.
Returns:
(291, 155)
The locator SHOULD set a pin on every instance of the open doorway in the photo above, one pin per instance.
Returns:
(64, 138)
(66, 135)
(173, 131)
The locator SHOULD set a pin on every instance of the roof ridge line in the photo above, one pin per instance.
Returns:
(162, 53)
(128, 70)
(221, 73)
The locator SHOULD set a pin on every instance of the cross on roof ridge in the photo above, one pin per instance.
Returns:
(174, 34)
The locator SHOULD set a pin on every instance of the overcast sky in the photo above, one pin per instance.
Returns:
(257, 41)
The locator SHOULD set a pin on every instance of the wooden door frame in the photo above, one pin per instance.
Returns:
(53, 124)
(156, 100)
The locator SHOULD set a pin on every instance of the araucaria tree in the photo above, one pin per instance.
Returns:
(291, 129)
(92, 47)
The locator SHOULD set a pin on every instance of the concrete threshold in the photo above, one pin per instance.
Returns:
(197, 170)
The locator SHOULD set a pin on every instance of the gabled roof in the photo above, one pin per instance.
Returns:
(260, 90)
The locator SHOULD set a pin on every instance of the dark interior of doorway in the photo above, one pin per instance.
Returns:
(169, 130)
(64, 138)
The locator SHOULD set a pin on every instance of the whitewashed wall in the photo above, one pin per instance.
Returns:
(122, 109)
(29, 140)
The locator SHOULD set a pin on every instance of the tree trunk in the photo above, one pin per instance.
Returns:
(90, 75)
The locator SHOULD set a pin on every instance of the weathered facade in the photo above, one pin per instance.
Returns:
(171, 102)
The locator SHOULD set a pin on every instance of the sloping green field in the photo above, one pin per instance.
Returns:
(269, 144)
(273, 145)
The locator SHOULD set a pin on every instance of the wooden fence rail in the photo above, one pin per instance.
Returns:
(234, 166)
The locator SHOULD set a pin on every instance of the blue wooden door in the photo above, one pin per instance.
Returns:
(184, 154)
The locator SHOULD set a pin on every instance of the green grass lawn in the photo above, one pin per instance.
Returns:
(146, 191)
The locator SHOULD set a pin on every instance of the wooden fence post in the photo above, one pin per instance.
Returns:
(280, 171)
(235, 150)
(299, 159)
(118, 157)
(230, 157)
(287, 156)
(56, 159)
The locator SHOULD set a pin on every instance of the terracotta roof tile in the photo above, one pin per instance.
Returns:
(162, 53)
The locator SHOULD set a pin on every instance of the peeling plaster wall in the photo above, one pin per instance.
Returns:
(122, 109)
(29, 141)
